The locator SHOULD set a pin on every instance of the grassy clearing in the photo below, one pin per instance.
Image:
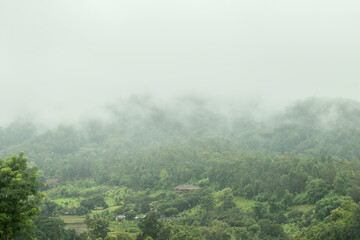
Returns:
(112, 208)
(245, 204)
(302, 208)
(69, 219)
(74, 202)
(74, 222)
(157, 193)
(124, 226)
(79, 227)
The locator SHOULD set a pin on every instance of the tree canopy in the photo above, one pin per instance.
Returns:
(19, 196)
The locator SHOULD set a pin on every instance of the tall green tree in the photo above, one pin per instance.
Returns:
(48, 228)
(217, 231)
(316, 189)
(150, 226)
(270, 230)
(343, 223)
(227, 198)
(19, 196)
(99, 226)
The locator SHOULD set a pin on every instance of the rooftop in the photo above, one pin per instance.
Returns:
(186, 187)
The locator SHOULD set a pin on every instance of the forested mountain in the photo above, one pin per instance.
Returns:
(311, 128)
(294, 174)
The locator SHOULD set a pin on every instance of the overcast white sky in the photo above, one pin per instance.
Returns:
(61, 58)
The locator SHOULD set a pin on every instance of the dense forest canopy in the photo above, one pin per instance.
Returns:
(290, 175)
(311, 128)
(179, 120)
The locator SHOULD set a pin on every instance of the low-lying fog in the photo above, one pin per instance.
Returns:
(66, 60)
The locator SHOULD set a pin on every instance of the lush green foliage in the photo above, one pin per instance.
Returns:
(294, 176)
(98, 226)
(52, 228)
(19, 196)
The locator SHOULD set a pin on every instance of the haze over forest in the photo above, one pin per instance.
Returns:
(173, 120)
(63, 60)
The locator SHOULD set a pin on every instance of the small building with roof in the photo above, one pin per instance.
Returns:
(185, 188)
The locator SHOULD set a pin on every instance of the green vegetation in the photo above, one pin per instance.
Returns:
(19, 196)
(294, 176)
(74, 222)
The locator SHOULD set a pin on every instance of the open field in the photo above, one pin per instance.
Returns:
(75, 202)
(244, 203)
(302, 208)
(124, 226)
(74, 222)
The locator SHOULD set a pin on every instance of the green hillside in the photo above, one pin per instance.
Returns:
(293, 175)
